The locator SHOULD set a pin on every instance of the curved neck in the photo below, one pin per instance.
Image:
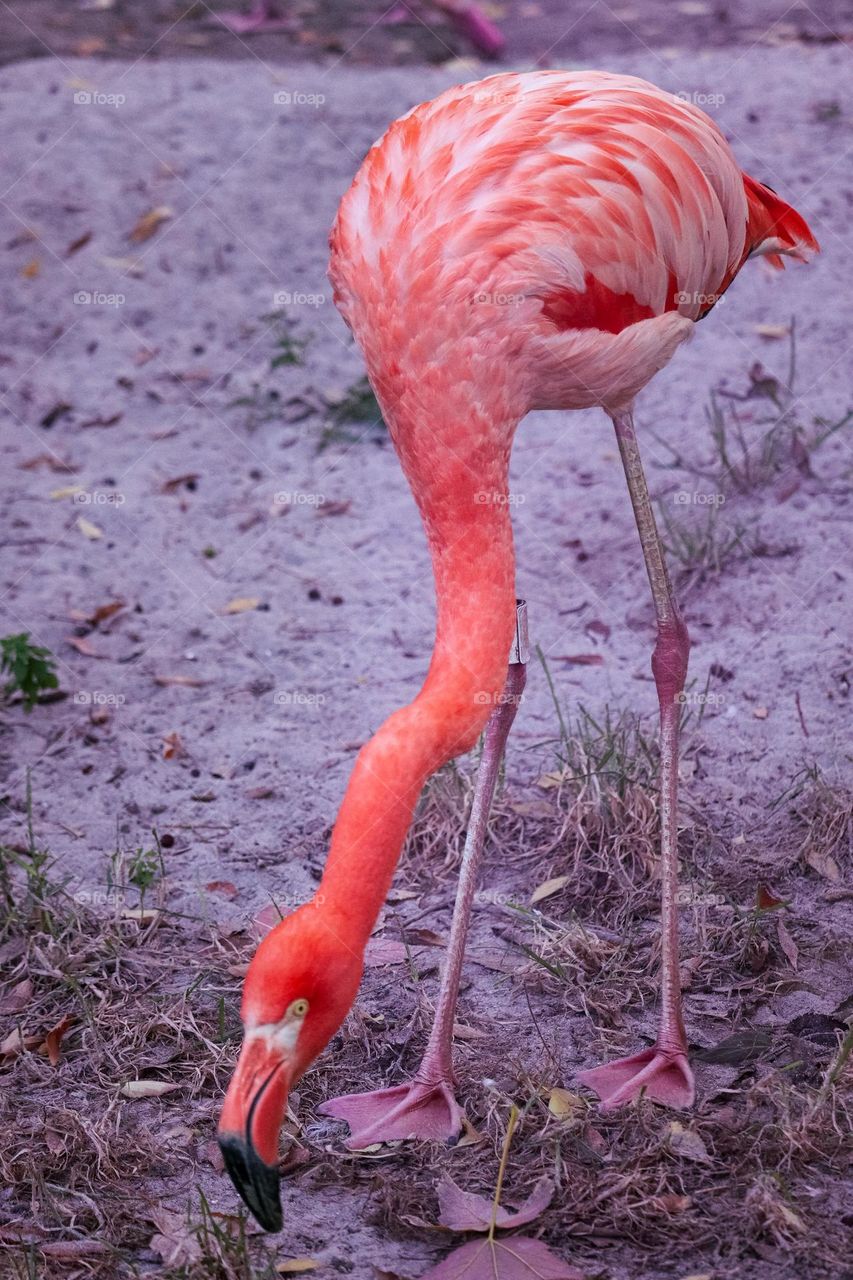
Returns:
(466, 516)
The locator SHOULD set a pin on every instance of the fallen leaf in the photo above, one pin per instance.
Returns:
(514, 1259)
(96, 616)
(188, 682)
(822, 862)
(563, 1104)
(686, 1142)
(466, 1211)
(67, 491)
(16, 1000)
(147, 1088)
(242, 604)
(17, 1041)
(787, 943)
(295, 1266)
(225, 887)
(173, 1242)
(767, 901)
(53, 1039)
(548, 888)
(84, 646)
(148, 224)
(260, 793)
(173, 746)
(598, 628)
(88, 529)
(581, 659)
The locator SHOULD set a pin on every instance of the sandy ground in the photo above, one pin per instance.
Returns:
(137, 375)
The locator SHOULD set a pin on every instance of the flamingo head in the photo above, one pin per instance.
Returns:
(299, 987)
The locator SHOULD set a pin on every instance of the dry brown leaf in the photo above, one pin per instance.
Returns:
(225, 887)
(242, 604)
(17, 999)
(84, 646)
(787, 943)
(296, 1266)
(466, 1211)
(173, 747)
(148, 224)
(822, 862)
(173, 1242)
(547, 888)
(17, 1041)
(516, 1259)
(686, 1142)
(147, 1088)
(53, 1039)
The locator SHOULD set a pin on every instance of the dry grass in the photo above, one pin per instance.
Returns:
(751, 1185)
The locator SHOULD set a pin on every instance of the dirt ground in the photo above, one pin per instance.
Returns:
(205, 524)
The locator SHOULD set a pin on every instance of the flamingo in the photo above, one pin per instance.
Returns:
(468, 19)
(544, 240)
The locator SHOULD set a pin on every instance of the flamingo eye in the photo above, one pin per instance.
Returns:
(297, 1009)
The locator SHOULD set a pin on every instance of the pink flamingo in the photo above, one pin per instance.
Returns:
(535, 241)
(467, 17)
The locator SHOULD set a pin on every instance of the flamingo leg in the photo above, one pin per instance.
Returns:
(662, 1072)
(426, 1107)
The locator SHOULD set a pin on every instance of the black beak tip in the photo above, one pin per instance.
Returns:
(257, 1183)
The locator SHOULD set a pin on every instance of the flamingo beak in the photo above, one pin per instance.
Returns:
(249, 1127)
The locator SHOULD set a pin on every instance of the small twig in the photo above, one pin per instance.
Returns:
(510, 1130)
(800, 713)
